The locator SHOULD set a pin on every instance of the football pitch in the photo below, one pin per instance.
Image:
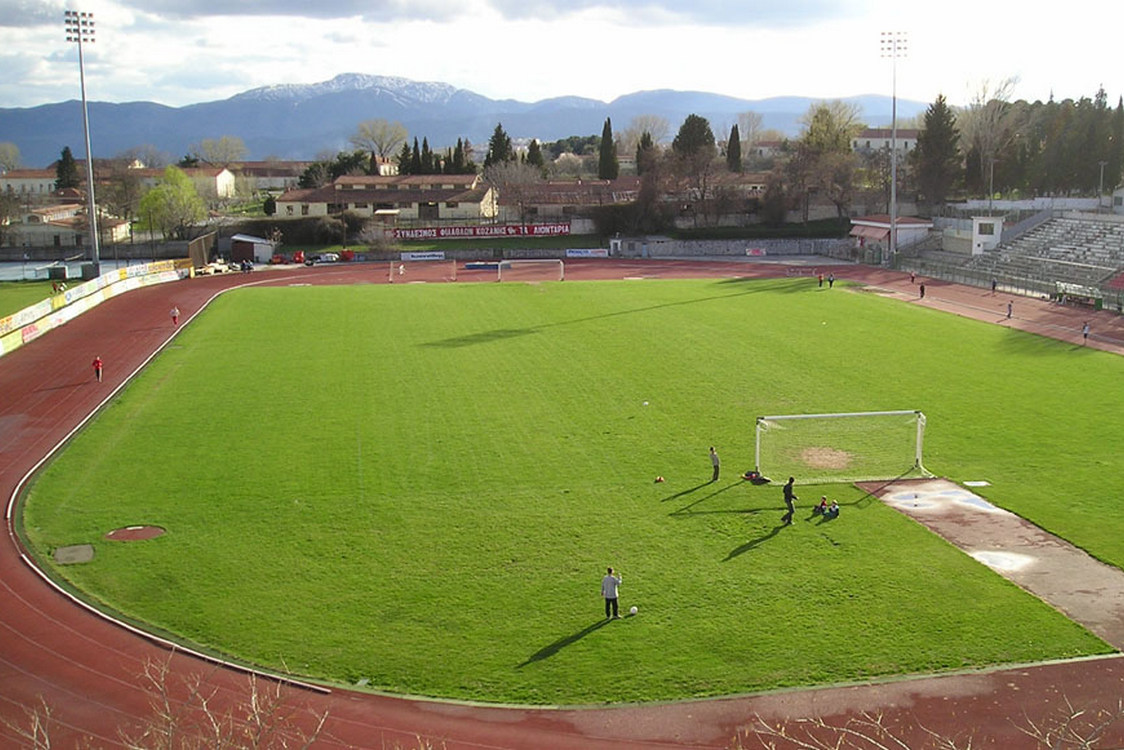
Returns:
(418, 488)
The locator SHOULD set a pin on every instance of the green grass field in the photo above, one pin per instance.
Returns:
(16, 295)
(421, 486)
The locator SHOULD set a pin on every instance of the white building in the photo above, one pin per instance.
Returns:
(879, 139)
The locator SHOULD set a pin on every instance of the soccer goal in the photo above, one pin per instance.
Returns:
(422, 271)
(539, 269)
(849, 447)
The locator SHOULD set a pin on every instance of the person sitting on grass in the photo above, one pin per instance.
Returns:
(832, 511)
(821, 508)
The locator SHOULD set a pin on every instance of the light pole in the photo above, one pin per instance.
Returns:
(80, 30)
(990, 183)
(1100, 187)
(894, 45)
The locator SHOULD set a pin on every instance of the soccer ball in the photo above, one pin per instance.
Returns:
(645, 403)
(634, 610)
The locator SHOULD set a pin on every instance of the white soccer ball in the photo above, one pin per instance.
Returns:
(633, 610)
(645, 403)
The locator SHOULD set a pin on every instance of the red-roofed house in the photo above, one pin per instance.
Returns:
(409, 197)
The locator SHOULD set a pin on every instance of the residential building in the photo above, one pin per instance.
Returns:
(30, 184)
(270, 176)
(878, 139)
(412, 198)
(64, 225)
(563, 199)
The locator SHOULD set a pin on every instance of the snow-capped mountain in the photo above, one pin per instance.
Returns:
(303, 121)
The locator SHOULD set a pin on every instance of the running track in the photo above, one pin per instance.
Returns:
(87, 669)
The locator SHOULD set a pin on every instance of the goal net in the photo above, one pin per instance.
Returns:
(544, 269)
(422, 271)
(852, 447)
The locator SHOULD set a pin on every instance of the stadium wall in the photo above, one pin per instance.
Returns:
(57, 310)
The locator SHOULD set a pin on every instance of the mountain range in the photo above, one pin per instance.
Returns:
(304, 121)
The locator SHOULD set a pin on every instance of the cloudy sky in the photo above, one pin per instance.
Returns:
(179, 52)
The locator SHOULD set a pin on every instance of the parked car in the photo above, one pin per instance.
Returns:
(321, 258)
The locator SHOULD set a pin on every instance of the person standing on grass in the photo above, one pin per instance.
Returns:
(175, 313)
(789, 502)
(1085, 333)
(609, 585)
(830, 280)
(715, 463)
(97, 365)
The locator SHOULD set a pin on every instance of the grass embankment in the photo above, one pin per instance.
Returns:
(421, 486)
(16, 295)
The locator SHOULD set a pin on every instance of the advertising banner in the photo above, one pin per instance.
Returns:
(496, 230)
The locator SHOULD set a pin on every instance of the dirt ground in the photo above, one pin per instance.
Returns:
(86, 667)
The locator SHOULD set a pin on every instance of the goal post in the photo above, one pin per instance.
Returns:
(843, 447)
(537, 269)
(422, 271)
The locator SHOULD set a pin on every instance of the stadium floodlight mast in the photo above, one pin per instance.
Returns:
(80, 30)
(894, 45)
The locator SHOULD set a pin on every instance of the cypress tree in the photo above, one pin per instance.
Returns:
(608, 166)
(415, 158)
(458, 158)
(734, 150)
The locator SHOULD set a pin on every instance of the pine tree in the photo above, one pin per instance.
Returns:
(734, 150)
(499, 148)
(66, 171)
(608, 166)
(427, 164)
(415, 159)
(404, 159)
(535, 157)
(938, 152)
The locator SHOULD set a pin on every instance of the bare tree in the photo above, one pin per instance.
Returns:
(380, 137)
(146, 156)
(220, 152)
(35, 729)
(986, 124)
(512, 180)
(9, 156)
(188, 712)
(750, 128)
(658, 127)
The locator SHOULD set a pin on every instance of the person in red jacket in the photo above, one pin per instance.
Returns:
(97, 365)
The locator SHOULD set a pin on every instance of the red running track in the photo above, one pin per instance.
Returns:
(87, 669)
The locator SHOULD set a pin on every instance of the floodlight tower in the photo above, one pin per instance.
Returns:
(80, 30)
(894, 45)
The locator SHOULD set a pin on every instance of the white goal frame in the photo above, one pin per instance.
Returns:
(435, 271)
(511, 265)
(834, 445)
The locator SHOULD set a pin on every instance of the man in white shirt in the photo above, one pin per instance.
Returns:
(609, 586)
